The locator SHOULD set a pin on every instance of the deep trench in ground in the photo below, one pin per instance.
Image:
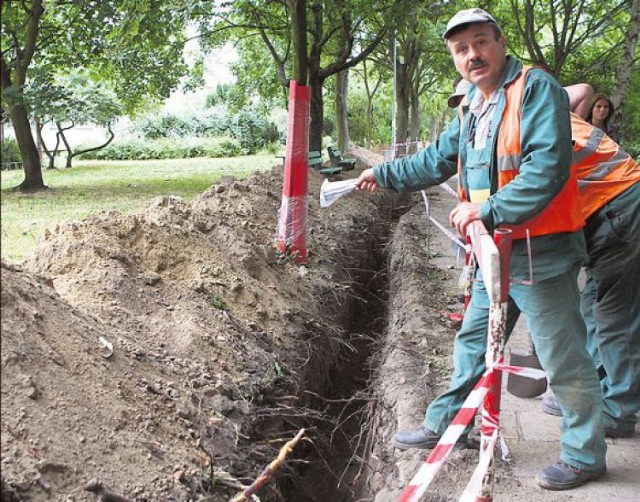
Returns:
(333, 468)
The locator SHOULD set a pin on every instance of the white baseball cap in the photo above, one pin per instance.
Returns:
(468, 16)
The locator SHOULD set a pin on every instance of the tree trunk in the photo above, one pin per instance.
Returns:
(414, 114)
(342, 122)
(369, 114)
(61, 134)
(435, 129)
(17, 110)
(99, 147)
(402, 109)
(298, 10)
(30, 159)
(316, 113)
(42, 147)
(623, 76)
(368, 134)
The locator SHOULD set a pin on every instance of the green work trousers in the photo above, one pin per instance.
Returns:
(610, 304)
(558, 332)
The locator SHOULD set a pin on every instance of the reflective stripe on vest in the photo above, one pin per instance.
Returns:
(604, 170)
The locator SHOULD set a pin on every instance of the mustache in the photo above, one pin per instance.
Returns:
(476, 63)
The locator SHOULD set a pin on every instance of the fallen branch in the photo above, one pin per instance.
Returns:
(267, 473)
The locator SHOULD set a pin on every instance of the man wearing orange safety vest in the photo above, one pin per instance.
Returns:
(610, 301)
(512, 146)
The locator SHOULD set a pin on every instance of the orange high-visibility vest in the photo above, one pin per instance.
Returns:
(604, 170)
(563, 213)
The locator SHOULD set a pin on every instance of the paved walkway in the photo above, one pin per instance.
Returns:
(534, 440)
(532, 436)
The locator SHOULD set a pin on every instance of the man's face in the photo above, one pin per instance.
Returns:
(478, 56)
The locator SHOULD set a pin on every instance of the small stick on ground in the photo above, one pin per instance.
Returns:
(267, 473)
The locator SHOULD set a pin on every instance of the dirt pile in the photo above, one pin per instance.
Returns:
(168, 355)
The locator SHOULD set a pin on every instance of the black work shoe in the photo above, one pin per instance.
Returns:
(422, 438)
(551, 406)
(618, 432)
(561, 476)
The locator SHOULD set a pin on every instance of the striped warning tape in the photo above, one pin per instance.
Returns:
(474, 486)
(432, 465)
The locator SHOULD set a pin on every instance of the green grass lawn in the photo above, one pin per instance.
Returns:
(93, 186)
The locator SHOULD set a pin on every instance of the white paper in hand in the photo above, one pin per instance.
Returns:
(331, 191)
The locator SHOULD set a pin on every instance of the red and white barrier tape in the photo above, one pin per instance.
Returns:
(474, 486)
(447, 188)
(453, 237)
(432, 465)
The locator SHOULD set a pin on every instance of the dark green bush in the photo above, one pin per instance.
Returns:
(248, 127)
(167, 125)
(213, 122)
(633, 149)
(328, 126)
(10, 152)
(167, 148)
(270, 134)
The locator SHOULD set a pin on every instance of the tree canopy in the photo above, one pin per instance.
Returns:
(130, 52)
(133, 45)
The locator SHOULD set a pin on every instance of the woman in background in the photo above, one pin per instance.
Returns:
(600, 116)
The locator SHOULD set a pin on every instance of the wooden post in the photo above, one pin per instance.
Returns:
(498, 291)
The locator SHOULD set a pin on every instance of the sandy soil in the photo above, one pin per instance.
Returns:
(169, 355)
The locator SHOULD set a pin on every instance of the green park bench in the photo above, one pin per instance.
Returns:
(315, 162)
(9, 165)
(335, 156)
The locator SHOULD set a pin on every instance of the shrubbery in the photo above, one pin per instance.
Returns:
(250, 129)
(633, 149)
(10, 153)
(213, 122)
(167, 148)
(248, 126)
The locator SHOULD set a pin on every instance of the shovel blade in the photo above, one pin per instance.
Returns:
(521, 386)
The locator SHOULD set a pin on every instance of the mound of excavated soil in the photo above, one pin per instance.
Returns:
(169, 355)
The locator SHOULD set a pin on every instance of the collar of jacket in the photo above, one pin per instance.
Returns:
(511, 72)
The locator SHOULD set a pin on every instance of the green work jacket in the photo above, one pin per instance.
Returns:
(544, 170)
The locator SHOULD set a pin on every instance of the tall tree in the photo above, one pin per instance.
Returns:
(371, 81)
(339, 34)
(627, 60)
(421, 62)
(134, 44)
(342, 124)
(558, 35)
(20, 31)
(576, 40)
(72, 100)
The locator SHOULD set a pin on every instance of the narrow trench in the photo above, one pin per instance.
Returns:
(337, 472)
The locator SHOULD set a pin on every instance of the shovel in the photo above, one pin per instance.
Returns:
(522, 386)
